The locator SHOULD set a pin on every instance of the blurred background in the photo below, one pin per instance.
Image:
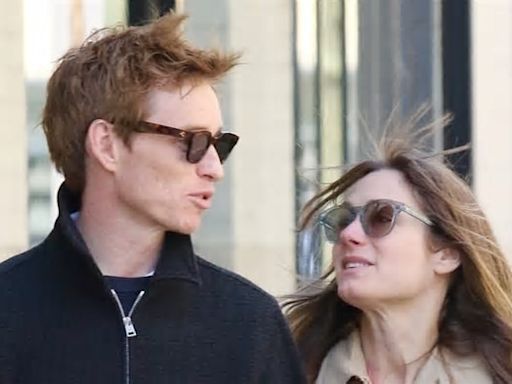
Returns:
(317, 76)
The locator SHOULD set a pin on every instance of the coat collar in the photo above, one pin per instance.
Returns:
(176, 261)
(345, 364)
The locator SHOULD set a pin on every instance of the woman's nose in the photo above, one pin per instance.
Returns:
(353, 233)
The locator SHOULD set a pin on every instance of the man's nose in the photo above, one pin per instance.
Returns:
(210, 166)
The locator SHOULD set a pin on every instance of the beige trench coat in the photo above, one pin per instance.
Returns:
(345, 364)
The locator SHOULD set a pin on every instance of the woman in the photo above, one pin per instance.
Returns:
(418, 291)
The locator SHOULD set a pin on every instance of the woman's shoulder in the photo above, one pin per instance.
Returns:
(345, 360)
(464, 369)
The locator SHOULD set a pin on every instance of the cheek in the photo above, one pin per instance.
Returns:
(336, 254)
(405, 260)
(152, 181)
(157, 170)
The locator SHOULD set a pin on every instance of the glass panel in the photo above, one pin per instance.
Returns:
(307, 155)
(397, 70)
(319, 114)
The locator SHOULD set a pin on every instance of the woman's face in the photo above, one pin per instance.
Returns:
(397, 267)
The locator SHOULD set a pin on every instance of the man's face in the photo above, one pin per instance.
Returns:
(155, 183)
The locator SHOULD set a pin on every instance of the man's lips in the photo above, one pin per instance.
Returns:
(202, 199)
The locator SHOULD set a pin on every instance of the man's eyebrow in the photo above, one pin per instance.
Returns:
(196, 128)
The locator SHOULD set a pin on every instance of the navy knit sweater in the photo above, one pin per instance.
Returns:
(195, 323)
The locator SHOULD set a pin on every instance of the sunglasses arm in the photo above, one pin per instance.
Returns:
(424, 219)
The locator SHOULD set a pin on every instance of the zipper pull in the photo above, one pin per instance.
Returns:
(128, 327)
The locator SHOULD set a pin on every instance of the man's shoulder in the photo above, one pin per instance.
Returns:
(237, 300)
(221, 279)
(18, 263)
(20, 276)
(25, 271)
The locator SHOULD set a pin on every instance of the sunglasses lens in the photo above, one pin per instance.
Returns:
(336, 220)
(225, 144)
(198, 146)
(378, 219)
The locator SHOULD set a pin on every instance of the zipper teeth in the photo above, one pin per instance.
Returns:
(126, 342)
(127, 360)
(126, 346)
(139, 296)
(118, 302)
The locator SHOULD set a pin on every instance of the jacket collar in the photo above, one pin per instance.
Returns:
(176, 261)
(345, 364)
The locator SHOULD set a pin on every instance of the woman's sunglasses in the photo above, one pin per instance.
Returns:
(377, 217)
(197, 142)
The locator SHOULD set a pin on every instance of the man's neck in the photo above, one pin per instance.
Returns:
(119, 247)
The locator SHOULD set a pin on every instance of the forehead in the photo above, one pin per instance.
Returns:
(188, 106)
(381, 184)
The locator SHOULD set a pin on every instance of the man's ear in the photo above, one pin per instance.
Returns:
(101, 143)
(446, 260)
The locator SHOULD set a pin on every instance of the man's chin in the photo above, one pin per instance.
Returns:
(185, 228)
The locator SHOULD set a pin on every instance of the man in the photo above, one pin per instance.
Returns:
(115, 293)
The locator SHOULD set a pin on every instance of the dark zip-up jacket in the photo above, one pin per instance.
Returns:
(195, 323)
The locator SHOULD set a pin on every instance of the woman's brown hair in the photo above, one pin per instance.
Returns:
(477, 313)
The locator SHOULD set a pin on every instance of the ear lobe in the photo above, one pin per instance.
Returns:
(101, 143)
(446, 260)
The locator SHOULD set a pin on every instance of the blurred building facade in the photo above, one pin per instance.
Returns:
(13, 142)
(316, 76)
